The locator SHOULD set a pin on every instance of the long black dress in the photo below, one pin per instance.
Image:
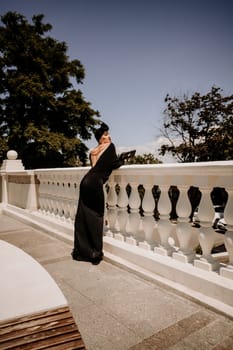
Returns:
(88, 235)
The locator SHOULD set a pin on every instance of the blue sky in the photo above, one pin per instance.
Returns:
(135, 52)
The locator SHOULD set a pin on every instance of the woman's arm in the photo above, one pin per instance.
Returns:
(116, 161)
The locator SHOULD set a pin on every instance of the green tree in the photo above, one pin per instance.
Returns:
(146, 158)
(199, 128)
(42, 116)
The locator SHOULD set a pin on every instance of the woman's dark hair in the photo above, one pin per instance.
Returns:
(99, 132)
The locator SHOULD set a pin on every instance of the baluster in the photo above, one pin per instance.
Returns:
(59, 201)
(134, 219)
(148, 221)
(48, 196)
(164, 225)
(59, 192)
(111, 209)
(74, 199)
(184, 232)
(76, 195)
(52, 196)
(49, 193)
(206, 232)
(65, 198)
(41, 194)
(70, 198)
(105, 228)
(228, 239)
(122, 215)
(228, 212)
(62, 197)
(64, 201)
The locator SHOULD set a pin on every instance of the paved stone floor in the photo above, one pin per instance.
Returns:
(118, 310)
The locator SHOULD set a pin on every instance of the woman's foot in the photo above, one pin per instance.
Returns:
(95, 260)
(77, 257)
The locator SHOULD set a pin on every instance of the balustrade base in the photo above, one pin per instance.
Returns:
(119, 237)
(227, 272)
(131, 241)
(211, 288)
(108, 234)
(206, 265)
(144, 245)
(184, 257)
(164, 251)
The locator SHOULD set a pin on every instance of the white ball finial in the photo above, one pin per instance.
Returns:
(12, 155)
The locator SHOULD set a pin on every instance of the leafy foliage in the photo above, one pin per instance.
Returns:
(146, 158)
(42, 116)
(199, 128)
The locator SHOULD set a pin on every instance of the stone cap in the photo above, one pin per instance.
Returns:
(12, 163)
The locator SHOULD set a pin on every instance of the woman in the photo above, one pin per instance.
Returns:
(88, 235)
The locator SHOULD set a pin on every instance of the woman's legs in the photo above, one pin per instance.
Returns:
(88, 235)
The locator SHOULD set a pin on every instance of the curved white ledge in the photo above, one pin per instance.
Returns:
(25, 286)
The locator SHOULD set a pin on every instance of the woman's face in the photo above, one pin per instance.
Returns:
(105, 138)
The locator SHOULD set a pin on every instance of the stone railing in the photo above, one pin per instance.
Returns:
(139, 205)
(131, 212)
(148, 210)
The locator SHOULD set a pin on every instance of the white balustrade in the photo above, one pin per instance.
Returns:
(164, 248)
(58, 194)
(131, 219)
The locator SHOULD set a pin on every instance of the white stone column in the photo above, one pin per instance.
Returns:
(134, 218)
(122, 214)
(40, 193)
(164, 224)
(228, 239)
(60, 197)
(54, 196)
(66, 197)
(105, 228)
(111, 208)
(148, 221)
(184, 230)
(206, 232)
(72, 199)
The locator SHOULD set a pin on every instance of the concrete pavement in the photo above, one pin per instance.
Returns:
(116, 309)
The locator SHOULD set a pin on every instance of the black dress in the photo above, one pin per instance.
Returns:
(88, 228)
